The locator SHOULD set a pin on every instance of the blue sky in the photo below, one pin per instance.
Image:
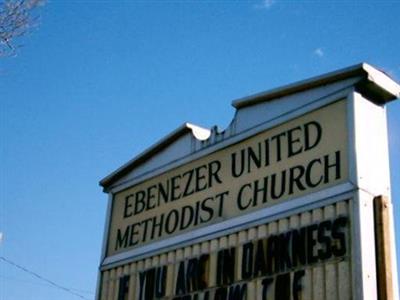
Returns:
(100, 81)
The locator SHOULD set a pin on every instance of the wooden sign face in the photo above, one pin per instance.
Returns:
(304, 155)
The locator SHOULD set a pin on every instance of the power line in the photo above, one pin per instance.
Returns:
(68, 290)
(15, 279)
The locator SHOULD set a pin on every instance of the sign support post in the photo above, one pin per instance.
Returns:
(383, 247)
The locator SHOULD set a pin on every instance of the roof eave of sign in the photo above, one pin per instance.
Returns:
(197, 131)
(373, 84)
(376, 83)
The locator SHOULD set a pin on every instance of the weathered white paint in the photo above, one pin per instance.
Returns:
(371, 146)
(372, 178)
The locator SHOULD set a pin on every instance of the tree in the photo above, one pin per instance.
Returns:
(17, 18)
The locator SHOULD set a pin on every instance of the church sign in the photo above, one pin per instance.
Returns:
(278, 206)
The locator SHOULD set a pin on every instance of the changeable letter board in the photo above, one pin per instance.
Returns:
(289, 258)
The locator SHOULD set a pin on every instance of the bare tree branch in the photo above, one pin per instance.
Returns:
(17, 18)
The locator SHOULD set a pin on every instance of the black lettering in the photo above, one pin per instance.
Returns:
(202, 271)
(144, 224)
(226, 266)
(221, 293)
(295, 179)
(267, 153)
(221, 198)
(247, 260)
(157, 225)
(174, 216)
(213, 169)
(196, 213)
(127, 206)
(339, 247)
(187, 191)
(175, 186)
(282, 287)
(181, 280)
(260, 261)
(150, 280)
(237, 292)
(191, 275)
(122, 239)
(161, 280)
(254, 158)
(299, 247)
(292, 141)
(325, 240)
(142, 277)
(237, 172)
(311, 242)
(206, 295)
(163, 192)
(308, 144)
(123, 287)
(272, 254)
(140, 205)
(278, 145)
(206, 209)
(201, 183)
(262, 189)
(229, 265)
(274, 184)
(309, 181)
(187, 214)
(151, 196)
(266, 282)
(297, 286)
(220, 267)
(335, 165)
(284, 252)
(240, 204)
(132, 241)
